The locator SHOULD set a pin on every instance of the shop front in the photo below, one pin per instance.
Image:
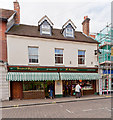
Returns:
(33, 82)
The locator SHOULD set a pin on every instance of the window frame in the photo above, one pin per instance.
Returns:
(45, 30)
(33, 55)
(69, 34)
(59, 56)
(82, 57)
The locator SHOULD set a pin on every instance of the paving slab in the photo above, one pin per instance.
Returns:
(17, 103)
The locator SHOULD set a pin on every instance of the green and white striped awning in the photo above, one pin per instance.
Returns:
(32, 76)
(79, 76)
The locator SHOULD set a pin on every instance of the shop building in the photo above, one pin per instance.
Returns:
(40, 55)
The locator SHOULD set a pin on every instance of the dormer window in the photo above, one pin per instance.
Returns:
(45, 29)
(69, 32)
(45, 26)
(68, 29)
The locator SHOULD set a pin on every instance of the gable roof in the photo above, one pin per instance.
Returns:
(32, 31)
(45, 18)
(6, 14)
(69, 22)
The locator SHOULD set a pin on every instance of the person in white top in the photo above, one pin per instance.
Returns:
(78, 90)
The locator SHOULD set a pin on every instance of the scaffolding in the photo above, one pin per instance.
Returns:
(105, 38)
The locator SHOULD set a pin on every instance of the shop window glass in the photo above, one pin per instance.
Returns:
(81, 57)
(58, 56)
(33, 54)
(27, 86)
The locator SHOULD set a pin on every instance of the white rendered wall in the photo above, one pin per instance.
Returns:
(4, 85)
(17, 47)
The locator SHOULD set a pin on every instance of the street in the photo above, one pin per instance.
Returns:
(80, 109)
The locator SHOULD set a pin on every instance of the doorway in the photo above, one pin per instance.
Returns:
(47, 84)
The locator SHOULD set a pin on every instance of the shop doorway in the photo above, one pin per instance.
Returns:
(67, 88)
(47, 84)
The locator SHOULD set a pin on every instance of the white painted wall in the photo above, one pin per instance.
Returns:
(4, 85)
(17, 47)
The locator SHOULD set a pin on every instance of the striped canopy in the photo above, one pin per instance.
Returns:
(32, 76)
(41, 76)
(79, 76)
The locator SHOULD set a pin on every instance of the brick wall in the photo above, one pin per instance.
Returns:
(3, 42)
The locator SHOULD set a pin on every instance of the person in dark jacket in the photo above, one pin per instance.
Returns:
(51, 90)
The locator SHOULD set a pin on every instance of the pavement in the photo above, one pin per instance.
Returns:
(31, 102)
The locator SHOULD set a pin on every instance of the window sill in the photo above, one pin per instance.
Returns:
(59, 65)
(81, 65)
(33, 64)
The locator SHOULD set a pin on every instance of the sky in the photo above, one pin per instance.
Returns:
(60, 11)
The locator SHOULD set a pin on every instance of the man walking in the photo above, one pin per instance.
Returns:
(78, 90)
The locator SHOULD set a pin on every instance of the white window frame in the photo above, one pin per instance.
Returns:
(59, 56)
(45, 29)
(69, 33)
(82, 57)
(33, 55)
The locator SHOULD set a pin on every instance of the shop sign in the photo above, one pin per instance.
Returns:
(32, 69)
(73, 69)
(48, 69)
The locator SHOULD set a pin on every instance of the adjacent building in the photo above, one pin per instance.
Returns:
(105, 37)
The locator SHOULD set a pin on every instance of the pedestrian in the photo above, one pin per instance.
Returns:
(51, 90)
(78, 90)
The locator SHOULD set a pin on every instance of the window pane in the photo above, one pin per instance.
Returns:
(33, 51)
(59, 56)
(81, 52)
(33, 54)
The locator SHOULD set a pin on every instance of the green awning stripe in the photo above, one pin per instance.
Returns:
(79, 76)
(19, 76)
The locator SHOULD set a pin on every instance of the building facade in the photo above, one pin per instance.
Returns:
(41, 55)
(7, 19)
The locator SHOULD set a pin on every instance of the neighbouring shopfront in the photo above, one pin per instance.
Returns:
(33, 82)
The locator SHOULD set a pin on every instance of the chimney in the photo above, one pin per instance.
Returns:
(85, 24)
(17, 9)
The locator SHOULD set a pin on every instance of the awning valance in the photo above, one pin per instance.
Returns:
(79, 76)
(32, 76)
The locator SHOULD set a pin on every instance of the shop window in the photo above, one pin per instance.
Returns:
(81, 57)
(27, 86)
(58, 56)
(33, 54)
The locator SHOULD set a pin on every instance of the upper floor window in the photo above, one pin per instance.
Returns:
(33, 54)
(81, 57)
(59, 56)
(69, 32)
(45, 29)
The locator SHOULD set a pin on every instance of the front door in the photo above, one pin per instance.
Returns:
(16, 90)
(47, 83)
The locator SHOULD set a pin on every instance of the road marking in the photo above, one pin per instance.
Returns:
(87, 110)
(26, 106)
(68, 111)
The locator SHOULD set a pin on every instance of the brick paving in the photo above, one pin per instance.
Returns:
(81, 109)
